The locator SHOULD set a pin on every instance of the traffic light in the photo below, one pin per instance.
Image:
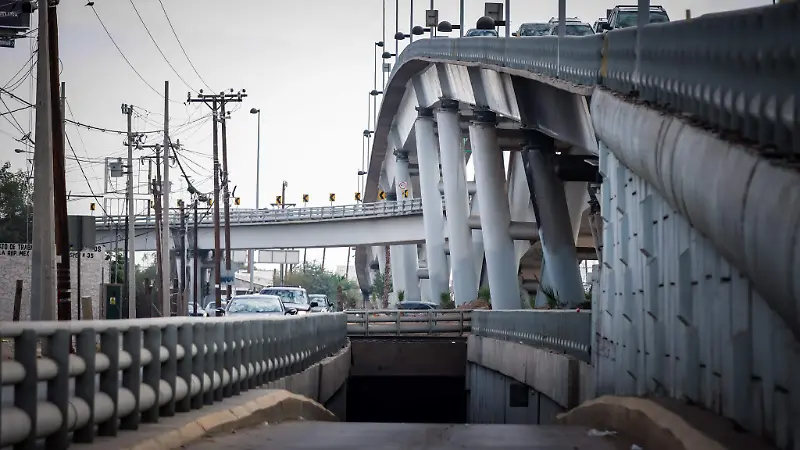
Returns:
(382, 195)
(358, 196)
(237, 201)
(150, 204)
(278, 200)
(211, 202)
(405, 193)
(180, 203)
(92, 206)
(305, 198)
(332, 197)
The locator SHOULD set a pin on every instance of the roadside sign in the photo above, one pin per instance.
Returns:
(7, 42)
(402, 184)
(226, 278)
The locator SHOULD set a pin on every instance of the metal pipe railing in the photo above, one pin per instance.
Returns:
(566, 331)
(320, 213)
(376, 322)
(124, 372)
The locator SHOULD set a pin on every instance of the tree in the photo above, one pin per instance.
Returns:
(15, 204)
(378, 283)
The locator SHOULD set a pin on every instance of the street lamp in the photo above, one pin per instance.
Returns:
(375, 92)
(251, 255)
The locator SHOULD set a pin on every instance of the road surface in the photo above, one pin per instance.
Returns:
(405, 436)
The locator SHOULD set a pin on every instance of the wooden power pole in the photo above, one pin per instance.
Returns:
(226, 195)
(217, 104)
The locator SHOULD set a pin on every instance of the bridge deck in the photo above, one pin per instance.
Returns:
(407, 436)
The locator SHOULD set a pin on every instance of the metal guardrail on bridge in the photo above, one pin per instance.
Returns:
(566, 331)
(315, 214)
(382, 322)
(146, 368)
(736, 70)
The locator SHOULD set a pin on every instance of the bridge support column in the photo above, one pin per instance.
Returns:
(432, 216)
(409, 252)
(555, 227)
(454, 176)
(495, 215)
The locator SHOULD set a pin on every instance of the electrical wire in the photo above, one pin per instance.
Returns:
(84, 174)
(159, 48)
(182, 48)
(91, 5)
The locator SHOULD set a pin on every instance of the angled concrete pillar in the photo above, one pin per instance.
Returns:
(495, 215)
(409, 252)
(432, 216)
(555, 230)
(465, 278)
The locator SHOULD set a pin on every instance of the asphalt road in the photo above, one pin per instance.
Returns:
(405, 436)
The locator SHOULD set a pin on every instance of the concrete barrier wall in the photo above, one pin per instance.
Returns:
(322, 382)
(561, 378)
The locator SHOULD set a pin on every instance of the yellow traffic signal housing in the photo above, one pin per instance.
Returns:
(405, 193)
(180, 203)
(237, 201)
(93, 206)
(150, 204)
(305, 198)
(278, 200)
(382, 195)
(211, 202)
(332, 197)
(358, 196)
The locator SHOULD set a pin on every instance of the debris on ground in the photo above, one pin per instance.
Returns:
(476, 304)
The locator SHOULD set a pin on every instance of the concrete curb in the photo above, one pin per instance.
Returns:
(657, 427)
(276, 406)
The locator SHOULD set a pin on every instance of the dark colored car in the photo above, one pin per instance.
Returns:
(481, 33)
(258, 304)
(533, 29)
(291, 296)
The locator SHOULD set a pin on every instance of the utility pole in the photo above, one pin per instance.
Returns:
(196, 290)
(182, 291)
(214, 101)
(43, 242)
(226, 195)
(130, 276)
(166, 258)
(283, 206)
(156, 187)
(59, 181)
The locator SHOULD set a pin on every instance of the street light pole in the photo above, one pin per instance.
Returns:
(251, 256)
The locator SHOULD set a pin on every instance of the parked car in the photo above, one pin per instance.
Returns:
(211, 307)
(625, 16)
(481, 33)
(291, 296)
(532, 29)
(599, 24)
(322, 303)
(417, 306)
(258, 304)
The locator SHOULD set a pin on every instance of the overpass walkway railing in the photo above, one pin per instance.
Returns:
(565, 331)
(127, 372)
(734, 70)
(395, 322)
(266, 216)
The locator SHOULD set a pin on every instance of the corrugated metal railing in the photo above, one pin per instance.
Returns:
(735, 70)
(377, 322)
(566, 331)
(129, 371)
(411, 206)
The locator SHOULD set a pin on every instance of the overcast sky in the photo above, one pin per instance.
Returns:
(307, 64)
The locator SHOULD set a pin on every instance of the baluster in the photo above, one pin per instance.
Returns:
(109, 380)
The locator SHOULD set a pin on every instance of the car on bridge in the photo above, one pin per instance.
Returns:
(258, 304)
(573, 27)
(532, 29)
(626, 16)
(322, 303)
(481, 33)
(292, 297)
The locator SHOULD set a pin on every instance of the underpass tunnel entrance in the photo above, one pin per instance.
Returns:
(413, 380)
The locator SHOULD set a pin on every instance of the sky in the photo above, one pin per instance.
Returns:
(306, 64)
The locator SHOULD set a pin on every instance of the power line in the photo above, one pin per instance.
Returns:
(15, 110)
(84, 175)
(181, 45)
(159, 48)
(91, 5)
